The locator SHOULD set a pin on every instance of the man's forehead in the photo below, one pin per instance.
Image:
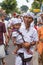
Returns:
(30, 16)
(25, 16)
(18, 24)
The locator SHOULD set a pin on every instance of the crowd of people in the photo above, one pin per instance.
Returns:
(26, 37)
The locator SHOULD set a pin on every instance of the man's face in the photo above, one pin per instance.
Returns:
(25, 18)
(28, 19)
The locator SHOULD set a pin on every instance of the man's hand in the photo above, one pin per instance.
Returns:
(26, 45)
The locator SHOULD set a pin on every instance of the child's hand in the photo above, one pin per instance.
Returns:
(30, 52)
(13, 53)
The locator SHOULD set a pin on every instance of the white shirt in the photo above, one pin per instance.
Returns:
(31, 33)
(19, 39)
(29, 36)
(32, 24)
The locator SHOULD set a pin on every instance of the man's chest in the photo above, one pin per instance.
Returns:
(27, 35)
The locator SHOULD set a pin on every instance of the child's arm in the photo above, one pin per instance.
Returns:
(15, 50)
(14, 40)
(18, 46)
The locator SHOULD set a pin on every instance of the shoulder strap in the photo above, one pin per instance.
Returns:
(21, 35)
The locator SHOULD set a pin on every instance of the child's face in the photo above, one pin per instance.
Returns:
(17, 26)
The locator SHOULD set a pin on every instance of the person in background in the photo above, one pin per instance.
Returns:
(3, 31)
(40, 19)
(13, 17)
(40, 45)
(6, 25)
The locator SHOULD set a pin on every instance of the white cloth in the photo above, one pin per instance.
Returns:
(14, 21)
(24, 14)
(30, 34)
(30, 14)
(19, 20)
(2, 51)
(18, 37)
(10, 22)
(19, 62)
(26, 55)
(39, 19)
(32, 24)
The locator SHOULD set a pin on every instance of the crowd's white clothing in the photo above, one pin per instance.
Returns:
(39, 19)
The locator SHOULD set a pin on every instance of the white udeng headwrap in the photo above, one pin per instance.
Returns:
(30, 14)
(24, 14)
(16, 21)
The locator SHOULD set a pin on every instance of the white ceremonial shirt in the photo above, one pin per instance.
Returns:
(29, 36)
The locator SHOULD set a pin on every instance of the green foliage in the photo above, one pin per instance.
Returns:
(24, 8)
(9, 5)
(27, 0)
(39, 0)
(35, 5)
(17, 10)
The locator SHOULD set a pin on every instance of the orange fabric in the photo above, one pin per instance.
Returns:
(40, 48)
(40, 45)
